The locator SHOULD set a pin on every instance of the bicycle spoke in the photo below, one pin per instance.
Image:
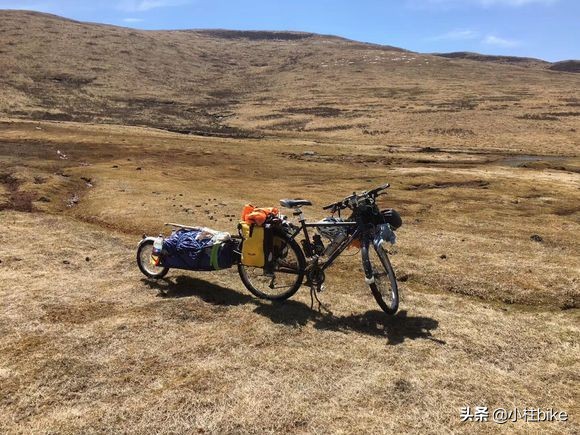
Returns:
(281, 277)
(293, 271)
(384, 286)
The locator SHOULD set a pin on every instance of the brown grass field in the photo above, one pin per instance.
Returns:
(481, 157)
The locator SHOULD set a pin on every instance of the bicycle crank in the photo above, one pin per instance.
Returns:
(315, 279)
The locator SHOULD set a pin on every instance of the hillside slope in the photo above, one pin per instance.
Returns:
(514, 60)
(566, 66)
(277, 83)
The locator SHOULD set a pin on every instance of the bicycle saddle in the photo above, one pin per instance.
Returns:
(293, 203)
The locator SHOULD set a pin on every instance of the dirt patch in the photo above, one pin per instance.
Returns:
(375, 132)
(341, 158)
(268, 117)
(452, 131)
(17, 199)
(562, 113)
(473, 184)
(550, 165)
(430, 150)
(320, 111)
(561, 163)
(566, 211)
(217, 131)
(10, 182)
(78, 314)
(290, 125)
(538, 117)
(69, 80)
(338, 127)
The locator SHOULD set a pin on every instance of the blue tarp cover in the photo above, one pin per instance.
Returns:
(183, 250)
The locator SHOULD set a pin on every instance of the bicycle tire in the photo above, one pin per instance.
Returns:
(300, 272)
(374, 278)
(146, 244)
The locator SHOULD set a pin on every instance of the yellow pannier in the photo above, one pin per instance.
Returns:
(253, 245)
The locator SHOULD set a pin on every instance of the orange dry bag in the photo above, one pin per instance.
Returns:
(257, 216)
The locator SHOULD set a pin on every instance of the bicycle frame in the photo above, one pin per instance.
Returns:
(303, 228)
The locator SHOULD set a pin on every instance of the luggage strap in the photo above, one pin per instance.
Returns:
(213, 257)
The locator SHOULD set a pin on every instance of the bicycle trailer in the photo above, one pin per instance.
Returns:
(188, 248)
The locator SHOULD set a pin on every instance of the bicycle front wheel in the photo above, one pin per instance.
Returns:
(380, 276)
(285, 276)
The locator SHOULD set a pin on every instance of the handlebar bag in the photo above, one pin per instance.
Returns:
(392, 217)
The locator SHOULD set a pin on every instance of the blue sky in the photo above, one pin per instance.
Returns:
(548, 29)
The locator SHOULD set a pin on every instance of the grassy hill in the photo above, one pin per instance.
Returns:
(514, 60)
(255, 84)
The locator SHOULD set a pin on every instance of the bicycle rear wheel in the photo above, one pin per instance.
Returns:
(380, 276)
(286, 275)
(144, 262)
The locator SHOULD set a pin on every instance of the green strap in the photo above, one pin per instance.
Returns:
(213, 256)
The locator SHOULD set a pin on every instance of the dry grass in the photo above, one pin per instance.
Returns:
(209, 357)
(92, 346)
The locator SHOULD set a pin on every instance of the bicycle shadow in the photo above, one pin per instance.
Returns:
(186, 286)
(396, 329)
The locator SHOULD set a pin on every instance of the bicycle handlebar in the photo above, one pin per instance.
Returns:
(376, 190)
(344, 203)
(329, 206)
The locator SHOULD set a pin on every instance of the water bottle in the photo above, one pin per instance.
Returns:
(318, 245)
(158, 244)
(157, 247)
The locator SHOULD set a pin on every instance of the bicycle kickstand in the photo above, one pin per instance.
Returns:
(314, 295)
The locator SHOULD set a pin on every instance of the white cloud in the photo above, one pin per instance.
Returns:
(146, 5)
(471, 35)
(456, 35)
(499, 42)
(133, 20)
